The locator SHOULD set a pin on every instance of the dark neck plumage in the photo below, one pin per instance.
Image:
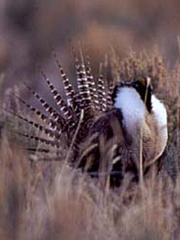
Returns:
(146, 95)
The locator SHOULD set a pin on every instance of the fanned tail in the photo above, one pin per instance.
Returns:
(92, 98)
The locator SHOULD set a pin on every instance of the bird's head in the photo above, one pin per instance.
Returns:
(143, 87)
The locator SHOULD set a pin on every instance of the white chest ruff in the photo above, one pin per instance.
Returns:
(132, 108)
(135, 115)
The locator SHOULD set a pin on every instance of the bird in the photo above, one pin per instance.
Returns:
(141, 119)
(106, 128)
(143, 111)
(144, 118)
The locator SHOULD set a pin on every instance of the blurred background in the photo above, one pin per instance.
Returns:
(31, 29)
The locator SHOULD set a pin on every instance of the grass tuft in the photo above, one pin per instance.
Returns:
(40, 201)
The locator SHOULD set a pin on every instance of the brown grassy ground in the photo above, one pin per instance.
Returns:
(69, 205)
(45, 201)
(38, 200)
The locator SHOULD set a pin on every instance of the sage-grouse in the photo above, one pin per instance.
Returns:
(106, 127)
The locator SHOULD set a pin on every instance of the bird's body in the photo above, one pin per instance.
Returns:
(123, 128)
(103, 126)
(139, 122)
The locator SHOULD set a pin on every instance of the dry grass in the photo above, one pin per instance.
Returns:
(72, 206)
(40, 201)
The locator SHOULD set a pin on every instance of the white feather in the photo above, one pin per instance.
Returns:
(159, 111)
(160, 115)
(132, 107)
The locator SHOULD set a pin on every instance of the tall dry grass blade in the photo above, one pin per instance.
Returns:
(72, 145)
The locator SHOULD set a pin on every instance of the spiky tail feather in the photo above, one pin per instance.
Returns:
(102, 91)
(59, 126)
(70, 93)
(59, 100)
(50, 133)
(82, 81)
(92, 85)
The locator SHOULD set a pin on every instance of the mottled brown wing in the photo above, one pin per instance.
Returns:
(106, 150)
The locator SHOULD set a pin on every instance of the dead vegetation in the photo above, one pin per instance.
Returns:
(37, 199)
(70, 205)
(42, 200)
